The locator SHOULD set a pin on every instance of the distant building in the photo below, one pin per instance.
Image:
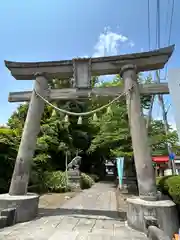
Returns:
(109, 167)
(161, 164)
(177, 164)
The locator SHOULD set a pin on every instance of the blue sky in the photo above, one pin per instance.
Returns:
(61, 29)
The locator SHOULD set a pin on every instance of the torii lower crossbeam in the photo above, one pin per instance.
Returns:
(73, 93)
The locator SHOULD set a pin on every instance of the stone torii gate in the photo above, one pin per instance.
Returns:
(82, 70)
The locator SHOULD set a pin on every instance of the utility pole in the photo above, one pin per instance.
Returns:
(171, 162)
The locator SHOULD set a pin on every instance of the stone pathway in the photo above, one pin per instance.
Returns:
(90, 215)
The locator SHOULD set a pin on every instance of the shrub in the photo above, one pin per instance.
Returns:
(56, 182)
(3, 185)
(162, 184)
(38, 188)
(174, 193)
(157, 180)
(170, 185)
(86, 181)
(94, 177)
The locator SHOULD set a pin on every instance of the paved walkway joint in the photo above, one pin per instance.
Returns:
(90, 215)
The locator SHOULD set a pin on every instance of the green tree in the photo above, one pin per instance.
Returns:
(9, 141)
(108, 137)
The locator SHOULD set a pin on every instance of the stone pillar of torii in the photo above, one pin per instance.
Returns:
(82, 70)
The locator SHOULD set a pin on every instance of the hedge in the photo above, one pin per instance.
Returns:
(56, 181)
(170, 185)
(94, 177)
(86, 181)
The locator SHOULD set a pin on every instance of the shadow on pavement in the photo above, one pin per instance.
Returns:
(44, 212)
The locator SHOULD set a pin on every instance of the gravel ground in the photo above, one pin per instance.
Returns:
(54, 200)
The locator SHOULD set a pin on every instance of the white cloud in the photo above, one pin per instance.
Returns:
(109, 42)
(84, 56)
(131, 44)
(171, 120)
(173, 125)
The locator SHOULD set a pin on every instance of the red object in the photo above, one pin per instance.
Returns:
(160, 159)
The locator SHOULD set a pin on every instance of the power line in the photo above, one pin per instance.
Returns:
(167, 110)
(170, 31)
(149, 32)
(149, 117)
(167, 17)
(157, 46)
(157, 76)
(158, 32)
(171, 21)
(160, 97)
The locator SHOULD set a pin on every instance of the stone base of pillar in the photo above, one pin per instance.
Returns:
(163, 212)
(26, 205)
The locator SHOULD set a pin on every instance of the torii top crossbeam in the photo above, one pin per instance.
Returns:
(145, 61)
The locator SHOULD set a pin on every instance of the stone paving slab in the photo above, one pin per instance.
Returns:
(90, 215)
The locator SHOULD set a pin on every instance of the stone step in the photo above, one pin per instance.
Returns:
(73, 173)
(122, 214)
(10, 214)
(3, 221)
(73, 177)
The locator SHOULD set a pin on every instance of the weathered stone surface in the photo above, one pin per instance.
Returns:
(10, 213)
(150, 221)
(155, 233)
(139, 135)
(26, 205)
(90, 215)
(163, 210)
(21, 173)
(3, 220)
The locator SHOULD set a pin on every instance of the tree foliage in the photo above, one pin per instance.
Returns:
(106, 138)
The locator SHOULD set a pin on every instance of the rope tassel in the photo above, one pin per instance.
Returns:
(109, 111)
(66, 119)
(95, 118)
(53, 113)
(79, 122)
